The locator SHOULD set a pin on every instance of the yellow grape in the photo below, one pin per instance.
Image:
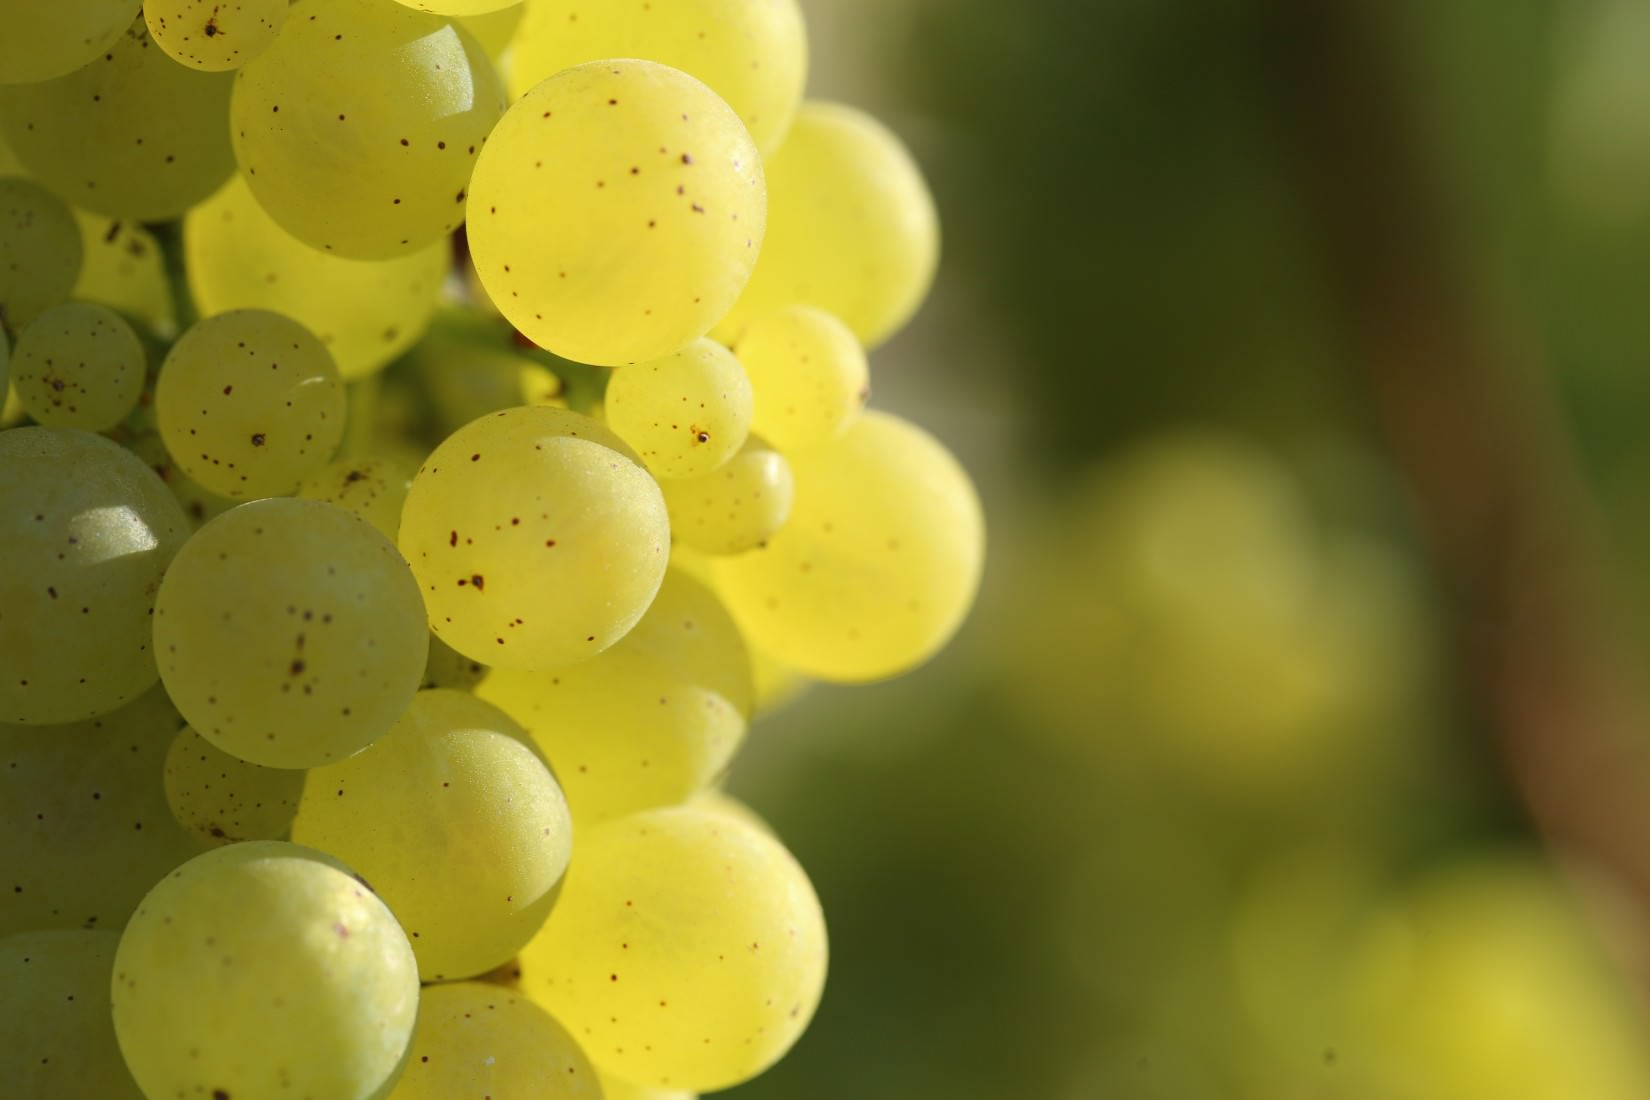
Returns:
(366, 312)
(687, 950)
(615, 1089)
(88, 531)
(47, 40)
(214, 35)
(54, 1013)
(495, 30)
(41, 244)
(851, 227)
(223, 799)
(357, 130)
(685, 414)
(878, 563)
(249, 403)
(124, 270)
(263, 970)
(654, 719)
(78, 365)
(372, 488)
(132, 135)
(808, 374)
(752, 53)
(475, 1039)
(616, 212)
(458, 7)
(324, 621)
(456, 821)
(735, 507)
(536, 539)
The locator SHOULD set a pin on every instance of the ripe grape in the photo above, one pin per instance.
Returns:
(43, 41)
(125, 270)
(223, 799)
(54, 1013)
(685, 414)
(372, 488)
(214, 35)
(734, 508)
(808, 374)
(78, 365)
(41, 244)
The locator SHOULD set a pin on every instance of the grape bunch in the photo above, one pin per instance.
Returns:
(434, 430)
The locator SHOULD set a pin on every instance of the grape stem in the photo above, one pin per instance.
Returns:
(169, 237)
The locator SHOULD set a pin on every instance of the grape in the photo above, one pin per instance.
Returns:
(263, 970)
(654, 719)
(84, 827)
(458, 7)
(851, 227)
(618, 210)
(40, 253)
(536, 539)
(448, 668)
(54, 1013)
(372, 488)
(199, 504)
(214, 35)
(615, 1089)
(323, 620)
(124, 270)
(495, 30)
(808, 375)
(878, 563)
(249, 403)
(457, 822)
(480, 1040)
(687, 949)
(735, 507)
(78, 365)
(47, 40)
(752, 53)
(223, 799)
(358, 128)
(88, 531)
(685, 414)
(464, 376)
(366, 312)
(132, 135)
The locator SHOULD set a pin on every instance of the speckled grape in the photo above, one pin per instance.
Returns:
(214, 35)
(54, 1013)
(47, 40)
(40, 252)
(223, 799)
(685, 414)
(372, 488)
(736, 507)
(78, 365)
(808, 374)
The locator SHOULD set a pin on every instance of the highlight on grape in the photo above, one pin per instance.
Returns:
(434, 431)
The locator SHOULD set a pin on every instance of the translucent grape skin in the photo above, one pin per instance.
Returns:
(876, 566)
(88, 531)
(324, 620)
(262, 970)
(132, 135)
(401, 102)
(852, 228)
(480, 1040)
(615, 1089)
(372, 488)
(808, 375)
(45, 41)
(366, 312)
(536, 540)
(685, 414)
(687, 950)
(616, 212)
(752, 54)
(456, 820)
(223, 799)
(734, 508)
(79, 365)
(214, 35)
(54, 1012)
(249, 403)
(41, 243)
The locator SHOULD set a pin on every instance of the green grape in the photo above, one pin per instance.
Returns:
(88, 530)
(808, 376)
(464, 376)
(851, 228)
(688, 949)
(261, 971)
(367, 312)
(323, 620)
(357, 130)
(734, 508)
(47, 40)
(54, 1013)
(125, 270)
(615, 1089)
(654, 719)
(214, 35)
(446, 667)
(223, 799)
(685, 414)
(878, 563)
(199, 504)
(132, 135)
(78, 365)
(457, 822)
(372, 488)
(84, 827)
(475, 1039)
(536, 539)
(250, 403)
(752, 53)
(618, 210)
(40, 253)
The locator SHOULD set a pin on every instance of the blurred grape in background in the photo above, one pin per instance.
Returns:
(1297, 747)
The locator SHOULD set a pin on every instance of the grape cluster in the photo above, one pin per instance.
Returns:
(435, 429)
